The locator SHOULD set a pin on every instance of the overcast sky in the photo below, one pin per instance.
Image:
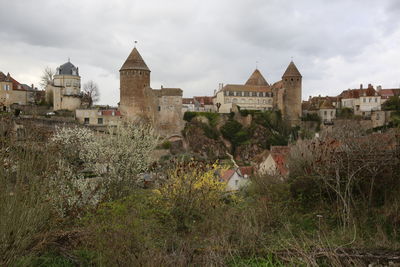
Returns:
(195, 45)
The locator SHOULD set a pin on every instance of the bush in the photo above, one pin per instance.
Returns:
(166, 145)
(311, 117)
(235, 133)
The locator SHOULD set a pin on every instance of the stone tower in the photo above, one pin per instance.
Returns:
(136, 98)
(292, 94)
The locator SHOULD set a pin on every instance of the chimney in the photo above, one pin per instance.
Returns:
(379, 87)
(361, 86)
(33, 87)
(162, 87)
(370, 86)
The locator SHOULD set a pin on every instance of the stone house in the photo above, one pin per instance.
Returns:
(361, 101)
(98, 117)
(64, 92)
(12, 92)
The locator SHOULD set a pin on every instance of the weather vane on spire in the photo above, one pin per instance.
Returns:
(135, 43)
(69, 59)
(291, 58)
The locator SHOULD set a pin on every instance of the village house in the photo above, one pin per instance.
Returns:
(98, 117)
(275, 164)
(236, 178)
(12, 92)
(361, 101)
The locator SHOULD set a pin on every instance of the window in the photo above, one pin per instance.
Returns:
(364, 100)
(99, 120)
(376, 100)
(231, 93)
(260, 94)
(86, 121)
(159, 108)
(246, 93)
(271, 94)
(238, 93)
(254, 94)
(369, 100)
(325, 113)
(236, 182)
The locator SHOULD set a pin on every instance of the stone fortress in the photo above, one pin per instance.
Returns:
(163, 107)
(257, 94)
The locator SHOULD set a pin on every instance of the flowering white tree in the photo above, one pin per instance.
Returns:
(115, 160)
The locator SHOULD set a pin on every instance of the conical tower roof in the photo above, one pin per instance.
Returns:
(292, 71)
(256, 79)
(134, 62)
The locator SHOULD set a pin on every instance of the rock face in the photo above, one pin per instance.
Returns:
(199, 143)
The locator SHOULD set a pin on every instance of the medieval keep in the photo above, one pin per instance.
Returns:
(138, 101)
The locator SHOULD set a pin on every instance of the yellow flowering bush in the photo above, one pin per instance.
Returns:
(191, 191)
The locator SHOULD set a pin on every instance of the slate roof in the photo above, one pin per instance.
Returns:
(292, 71)
(67, 69)
(356, 93)
(134, 62)
(246, 88)
(257, 79)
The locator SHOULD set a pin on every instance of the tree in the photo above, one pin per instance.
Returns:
(91, 92)
(46, 78)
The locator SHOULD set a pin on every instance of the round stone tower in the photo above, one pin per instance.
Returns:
(135, 87)
(292, 95)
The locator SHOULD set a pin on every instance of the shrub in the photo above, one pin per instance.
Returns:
(166, 145)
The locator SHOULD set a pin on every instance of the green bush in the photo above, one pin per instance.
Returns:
(235, 133)
(166, 145)
(311, 117)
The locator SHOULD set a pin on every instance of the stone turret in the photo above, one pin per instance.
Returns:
(292, 80)
(135, 91)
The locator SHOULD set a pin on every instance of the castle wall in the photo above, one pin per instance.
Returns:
(170, 115)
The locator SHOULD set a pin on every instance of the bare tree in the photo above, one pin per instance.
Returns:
(46, 78)
(91, 92)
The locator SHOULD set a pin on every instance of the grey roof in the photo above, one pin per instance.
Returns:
(67, 69)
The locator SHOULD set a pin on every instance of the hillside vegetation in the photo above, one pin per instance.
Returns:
(75, 198)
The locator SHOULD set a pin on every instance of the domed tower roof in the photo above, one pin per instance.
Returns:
(256, 79)
(67, 69)
(292, 71)
(134, 62)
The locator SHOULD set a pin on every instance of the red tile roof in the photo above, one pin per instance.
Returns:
(226, 175)
(386, 93)
(280, 155)
(248, 170)
(204, 100)
(187, 101)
